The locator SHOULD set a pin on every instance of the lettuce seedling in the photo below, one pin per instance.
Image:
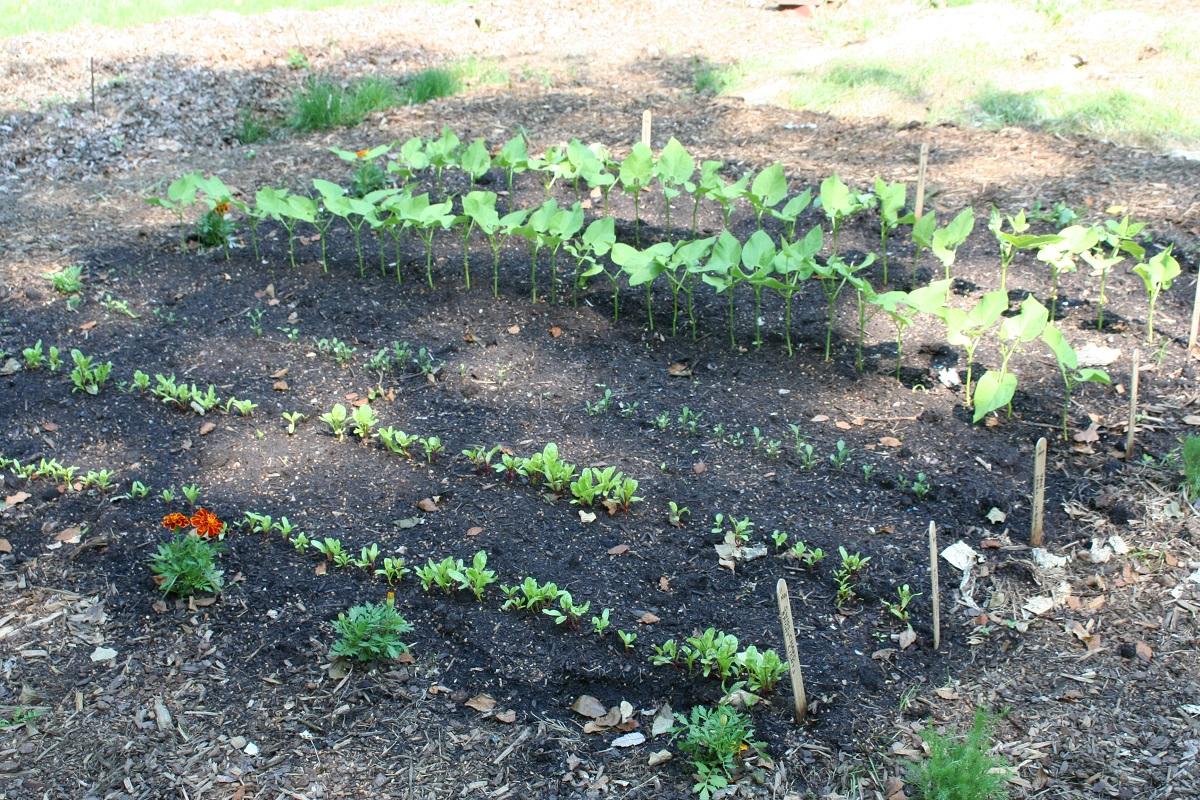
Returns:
(1157, 274)
(636, 174)
(997, 387)
(337, 419)
(674, 169)
(767, 190)
(363, 421)
(87, 375)
(33, 356)
(1068, 368)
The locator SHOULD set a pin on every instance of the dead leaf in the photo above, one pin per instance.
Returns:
(586, 516)
(508, 716)
(629, 740)
(555, 331)
(207, 428)
(69, 535)
(87, 326)
(996, 516)
(49, 427)
(322, 568)
(1192, 419)
(664, 720)
(659, 757)
(280, 386)
(679, 369)
(1091, 434)
(5, 546)
(481, 703)
(1144, 652)
(946, 693)
(619, 549)
(699, 468)
(889, 441)
(279, 373)
(428, 504)
(906, 638)
(514, 329)
(842, 425)
(10, 367)
(820, 418)
(17, 498)
(474, 531)
(648, 618)
(664, 583)
(588, 706)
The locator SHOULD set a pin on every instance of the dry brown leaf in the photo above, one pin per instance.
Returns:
(1144, 652)
(280, 373)
(17, 498)
(322, 568)
(1090, 434)
(619, 549)
(68, 535)
(49, 426)
(481, 703)
(474, 531)
(588, 706)
(280, 386)
(820, 418)
(679, 369)
(699, 468)
(5, 546)
(906, 638)
(87, 326)
(648, 618)
(842, 425)
(664, 583)
(946, 693)
(427, 504)
(889, 441)
(508, 716)
(514, 329)
(555, 331)
(207, 428)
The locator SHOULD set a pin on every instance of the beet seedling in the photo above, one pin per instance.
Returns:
(779, 539)
(367, 556)
(844, 577)
(899, 608)
(481, 458)
(432, 446)
(627, 638)
(337, 419)
(476, 577)
(363, 421)
(734, 531)
(568, 612)
(677, 514)
(292, 418)
(440, 574)
(33, 356)
(332, 550)
(762, 669)
(393, 570)
(809, 556)
(87, 375)
(529, 595)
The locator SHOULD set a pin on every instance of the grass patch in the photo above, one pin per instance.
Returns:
(323, 104)
(960, 768)
(865, 87)
(715, 79)
(250, 128)
(429, 84)
(48, 16)
(474, 71)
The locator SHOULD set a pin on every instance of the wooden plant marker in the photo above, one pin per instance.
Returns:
(1133, 398)
(646, 127)
(1039, 494)
(935, 586)
(800, 709)
(1194, 328)
(922, 165)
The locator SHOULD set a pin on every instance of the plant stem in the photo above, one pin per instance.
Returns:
(362, 264)
(467, 257)
(637, 220)
(883, 237)
(757, 316)
(495, 245)
(787, 323)
(650, 304)
(695, 213)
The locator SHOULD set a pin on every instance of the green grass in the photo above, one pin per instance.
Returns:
(48, 16)
(474, 71)
(430, 84)
(324, 104)
(960, 768)
(714, 79)
(250, 128)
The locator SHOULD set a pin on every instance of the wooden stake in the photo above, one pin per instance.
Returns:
(919, 203)
(935, 586)
(1133, 393)
(1194, 329)
(800, 702)
(646, 127)
(1039, 493)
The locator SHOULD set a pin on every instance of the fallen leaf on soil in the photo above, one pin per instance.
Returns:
(69, 535)
(474, 531)
(906, 638)
(514, 329)
(960, 555)
(17, 498)
(87, 326)
(946, 693)
(481, 703)
(699, 468)
(664, 720)
(1090, 434)
(648, 618)
(1091, 355)
(586, 516)
(103, 654)
(588, 706)
(1192, 419)
(664, 583)
(508, 716)
(894, 789)
(159, 607)
(619, 549)
(280, 386)
(889, 441)
(10, 367)
(207, 428)
(820, 418)
(1144, 652)
(1039, 604)
(996, 516)
(659, 757)
(990, 544)
(5, 546)
(49, 426)
(679, 369)
(427, 504)
(629, 739)
(321, 568)
(279, 373)
(842, 425)
(608, 719)
(555, 331)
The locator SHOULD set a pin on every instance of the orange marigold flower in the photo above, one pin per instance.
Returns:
(361, 153)
(206, 523)
(176, 521)
(221, 208)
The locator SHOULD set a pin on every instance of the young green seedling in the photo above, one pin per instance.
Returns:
(513, 158)
(1120, 237)
(966, 329)
(1068, 368)
(1060, 254)
(1157, 274)
(839, 204)
(767, 190)
(947, 240)
(997, 387)
(674, 169)
(636, 174)
(892, 199)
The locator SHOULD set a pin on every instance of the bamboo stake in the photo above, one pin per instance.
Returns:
(935, 586)
(1194, 328)
(1039, 494)
(800, 702)
(646, 127)
(1133, 398)
(922, 165)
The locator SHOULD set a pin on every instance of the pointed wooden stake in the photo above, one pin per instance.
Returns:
(800, 707)
(1039, 494)
(922, 165)
(935, 586)
(646, 127)
(1131, 432)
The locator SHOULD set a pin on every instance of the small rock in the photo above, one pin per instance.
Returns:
(237, 742)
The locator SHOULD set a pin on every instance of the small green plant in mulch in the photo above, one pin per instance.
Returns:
(429, 84)
(370, 633)
(714, 739)
(187, 564)
(960, 768)
(323, 103)
(250, 128)
(1191, 468)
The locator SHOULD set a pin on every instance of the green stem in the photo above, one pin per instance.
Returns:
(650, 304)
(883, 237)
(429, 260)
(637, 221)
(362, 264)
(787, 322)
(757, 317)
(467, 257)
(695, 215)
(1100, 300)
(495, 245)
